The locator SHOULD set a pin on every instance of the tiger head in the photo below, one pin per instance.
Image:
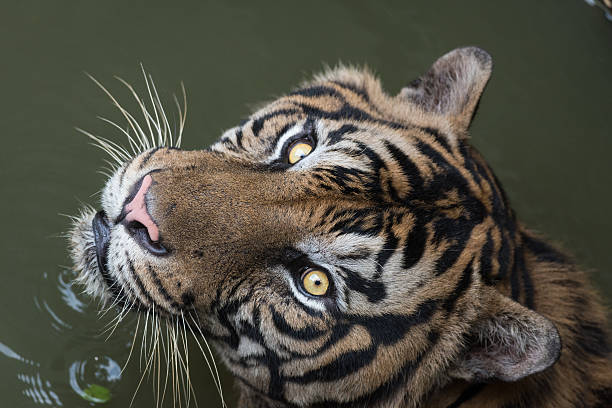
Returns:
(341, 245)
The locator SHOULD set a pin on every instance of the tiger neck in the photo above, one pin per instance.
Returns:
(583, 374)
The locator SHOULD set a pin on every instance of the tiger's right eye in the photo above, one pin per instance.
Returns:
(299, 150)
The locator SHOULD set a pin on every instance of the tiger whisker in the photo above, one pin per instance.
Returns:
(188, 387)
(118, 153)
(130, 119)
(145, 112)
(157, 366)
(132, 346)
(156, 122)
(182, 115)
(146, 370)
(160, 107)
(187, 372)
(119, 299)
(133, 145)
(104, 310)
(166, 350)
(143, 341)
(216, 380)
(198, 326)
(124, 311)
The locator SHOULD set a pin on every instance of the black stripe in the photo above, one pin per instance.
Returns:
(279, 134)
(130, 292)
(449, 177)
(389, 247)
(485, 260)
(347, 112)
(515, 283)
(374, 290)
(387, 389)
(503, 256)
(336, 136)
(307, 333)
(440, 138)
(407, 166)
(467, 394)
(147, 157)
(373, 184)
(527, 283)
(239, 136)
(384, 330)
(160, 287)
(317, 91)
(415, 244)
(359, 91)
(543, 251)
(138, 281)
(259, 123)
(460, 289)
(459, 231)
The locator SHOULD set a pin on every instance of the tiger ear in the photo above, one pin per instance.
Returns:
(510, 344)
(453, 85)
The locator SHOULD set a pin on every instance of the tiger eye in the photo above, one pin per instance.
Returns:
(298, 151)
(315, 282)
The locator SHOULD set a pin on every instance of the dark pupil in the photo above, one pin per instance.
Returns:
(317, 282)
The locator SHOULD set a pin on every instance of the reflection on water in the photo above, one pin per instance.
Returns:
(605, 5)
(4, 349)
(40, 393)
(36, 389)
(68, 296)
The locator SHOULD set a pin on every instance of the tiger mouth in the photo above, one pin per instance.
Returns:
(84, 253)
(101, 233)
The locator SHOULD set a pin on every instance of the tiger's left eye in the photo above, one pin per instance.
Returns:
(315, 282)
(298, 151)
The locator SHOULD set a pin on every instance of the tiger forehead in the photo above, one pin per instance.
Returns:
(359, 102)
(330, 101)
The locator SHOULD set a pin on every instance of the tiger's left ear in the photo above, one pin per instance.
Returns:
(453, 85)
(511, 343)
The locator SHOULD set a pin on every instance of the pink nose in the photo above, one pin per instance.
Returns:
(137, 209)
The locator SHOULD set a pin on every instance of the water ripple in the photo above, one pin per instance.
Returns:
(41, 393)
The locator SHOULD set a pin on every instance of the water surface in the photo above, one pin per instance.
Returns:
(543, 124)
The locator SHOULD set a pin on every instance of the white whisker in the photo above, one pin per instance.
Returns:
(132, 346)
(215, 375)
(159, 106)
(133, 144)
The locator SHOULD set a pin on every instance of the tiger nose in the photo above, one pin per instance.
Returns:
(138, 221)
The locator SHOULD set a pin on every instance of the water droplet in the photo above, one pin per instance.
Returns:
(94, 378)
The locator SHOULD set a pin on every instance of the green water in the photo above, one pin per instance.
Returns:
(544, 125)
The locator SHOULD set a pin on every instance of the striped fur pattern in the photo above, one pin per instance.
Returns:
(439, 297)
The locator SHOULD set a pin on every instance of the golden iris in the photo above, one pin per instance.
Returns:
(315, 282)
(298, 151)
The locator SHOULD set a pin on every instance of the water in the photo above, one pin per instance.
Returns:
(543, 124)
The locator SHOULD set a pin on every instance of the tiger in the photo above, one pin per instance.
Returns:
(345, 247)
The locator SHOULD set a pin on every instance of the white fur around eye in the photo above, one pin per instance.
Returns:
(278, 149)
(307, 301)
(313, 155)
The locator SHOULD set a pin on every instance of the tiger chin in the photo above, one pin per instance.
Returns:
(347, 247)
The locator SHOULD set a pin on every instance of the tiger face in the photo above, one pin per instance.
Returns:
(338, 246)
